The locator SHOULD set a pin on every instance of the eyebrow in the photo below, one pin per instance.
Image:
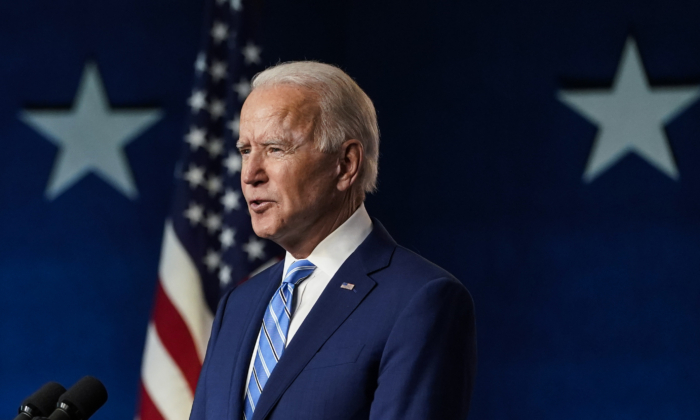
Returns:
(269, 142)
(276, 141)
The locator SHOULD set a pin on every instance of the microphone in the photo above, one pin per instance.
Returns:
(81, 400)
(41, 402)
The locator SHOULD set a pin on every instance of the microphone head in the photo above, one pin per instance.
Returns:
(43, 401)
(85, 397)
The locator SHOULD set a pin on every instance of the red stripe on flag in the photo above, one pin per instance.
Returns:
(148, 410)
(176, 338)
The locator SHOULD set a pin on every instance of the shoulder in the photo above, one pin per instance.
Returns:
(411, 279)
(401, 272)
(414, 265)
(412, 270)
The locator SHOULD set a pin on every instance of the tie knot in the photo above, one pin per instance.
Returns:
(298, 271)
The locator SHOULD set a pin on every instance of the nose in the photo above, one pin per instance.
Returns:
(253, 169)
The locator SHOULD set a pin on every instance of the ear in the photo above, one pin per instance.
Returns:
(349, 163)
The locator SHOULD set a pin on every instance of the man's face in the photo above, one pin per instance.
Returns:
(289, 185)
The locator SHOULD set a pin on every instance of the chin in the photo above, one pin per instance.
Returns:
(265, 229)
(261, 231)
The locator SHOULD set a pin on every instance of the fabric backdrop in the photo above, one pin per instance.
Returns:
(575, 224)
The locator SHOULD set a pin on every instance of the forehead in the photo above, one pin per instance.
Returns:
(282, 107)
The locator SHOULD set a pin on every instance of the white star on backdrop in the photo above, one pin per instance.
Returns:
(91, 137)
(630, 116)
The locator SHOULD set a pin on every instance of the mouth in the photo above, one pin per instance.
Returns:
(259, 206)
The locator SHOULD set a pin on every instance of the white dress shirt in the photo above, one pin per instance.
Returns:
(328, 256)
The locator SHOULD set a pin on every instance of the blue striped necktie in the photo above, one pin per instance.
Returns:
(273, 333)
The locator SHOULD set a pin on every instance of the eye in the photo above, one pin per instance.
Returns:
(244, 150)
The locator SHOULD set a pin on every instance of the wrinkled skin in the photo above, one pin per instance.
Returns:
(296, 194)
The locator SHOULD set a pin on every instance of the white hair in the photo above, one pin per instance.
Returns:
(346, 110)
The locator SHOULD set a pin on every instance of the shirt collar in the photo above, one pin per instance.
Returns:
(332, 252)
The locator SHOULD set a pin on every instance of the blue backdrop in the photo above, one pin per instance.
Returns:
(587, 292)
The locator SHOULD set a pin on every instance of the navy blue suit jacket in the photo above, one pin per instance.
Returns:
(399, 345)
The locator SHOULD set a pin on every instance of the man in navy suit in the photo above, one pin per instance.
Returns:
(350, 325)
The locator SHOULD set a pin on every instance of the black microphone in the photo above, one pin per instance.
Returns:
(40, 403)
(81, 400)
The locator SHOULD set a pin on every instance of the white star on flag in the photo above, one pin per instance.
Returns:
(235, 125)
(196, 137)
(227, 237)
(194, 213)
(197, 101)
(219, 32)
(212, 260)
(254, 248)
(218, 71)
(231, 200)
(237, 5)
(225, 275)
(213, 223)
(251, 53)
(214, 185)
(200, 65)
(215, 147)
(631, 116)
(217, 109)
(242, 88)
(194, 176)
(233, 163)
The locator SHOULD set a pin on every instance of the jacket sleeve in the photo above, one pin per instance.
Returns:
(428, 365)
(199, 406)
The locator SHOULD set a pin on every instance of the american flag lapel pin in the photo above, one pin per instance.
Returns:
(347, 286)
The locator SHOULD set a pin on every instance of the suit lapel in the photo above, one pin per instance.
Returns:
(240, 373)
(330, 311)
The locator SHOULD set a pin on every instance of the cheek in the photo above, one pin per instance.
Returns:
(292, 186)
(302, 185)
(312, 197)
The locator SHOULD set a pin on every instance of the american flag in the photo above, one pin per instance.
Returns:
(209, 245)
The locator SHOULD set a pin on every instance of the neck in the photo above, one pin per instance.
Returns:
(333, 220)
